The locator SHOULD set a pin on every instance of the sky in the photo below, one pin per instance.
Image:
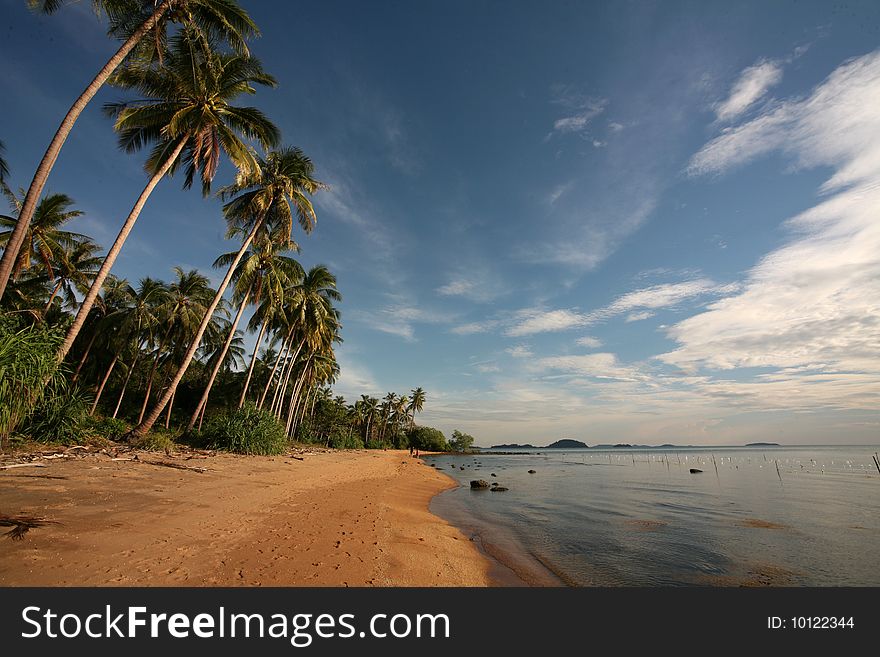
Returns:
(641, 222)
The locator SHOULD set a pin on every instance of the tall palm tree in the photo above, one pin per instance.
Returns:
(140, 321)
(416, 404)
(137, 22)
(186, 111)
(4, 168)
(264, 201)
(185, 303)
(44, 237)
(74, 271)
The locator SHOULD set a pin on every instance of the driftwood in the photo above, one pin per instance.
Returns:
(177, 466)
(21, 524)
(22, 465)
(38, 476)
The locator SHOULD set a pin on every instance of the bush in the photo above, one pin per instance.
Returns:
(428, 438)
(27, 362)
(108, 427)
(60, 415)
(245, 431)
(344, 441)
(461, 442)
(156, 441)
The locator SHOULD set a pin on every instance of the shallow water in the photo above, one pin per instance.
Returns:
(640, 518)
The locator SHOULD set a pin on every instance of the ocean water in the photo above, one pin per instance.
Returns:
(621, 517)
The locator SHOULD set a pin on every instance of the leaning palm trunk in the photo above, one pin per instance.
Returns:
(103, 383)
(147, 424)
(52, 298)
(281, 390)
(203, 402)
(284, 347)
(125, 385)
(85, 356)
(250, 373)
(13, 246)
(294, 399)
(87, 303)
(170, 406)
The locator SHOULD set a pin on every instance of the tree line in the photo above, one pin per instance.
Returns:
(78, 342)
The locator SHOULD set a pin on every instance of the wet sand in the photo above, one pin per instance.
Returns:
(346, 518)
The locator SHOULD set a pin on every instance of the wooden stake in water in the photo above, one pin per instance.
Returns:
(778, 474)
(876, 461)
(716, 467)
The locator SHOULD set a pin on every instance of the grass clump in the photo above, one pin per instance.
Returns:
(156, 441)
(246, 430)
(110, 428)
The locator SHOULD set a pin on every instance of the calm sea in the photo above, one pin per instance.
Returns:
(778, 516)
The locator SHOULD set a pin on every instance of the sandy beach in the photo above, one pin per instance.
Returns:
(344, 518)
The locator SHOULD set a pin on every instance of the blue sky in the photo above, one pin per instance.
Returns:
(617, 222)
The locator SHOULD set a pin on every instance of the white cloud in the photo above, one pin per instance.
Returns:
(808, 310)
(398, 319)
(488, 368)
(538, 321)
(471, 328)
(582, 109)
(519, 351)
(475, 282)
(589, 342)
(614, 126)
(599, 365)
(639, 316)
(752, 84)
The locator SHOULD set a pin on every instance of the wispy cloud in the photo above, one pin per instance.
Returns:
(807, 310)
(519, 351)
(752, 85)
(538, 320)
(639, 316)
(474, 281)
(398, 319)
(580, 108)
(589, 342)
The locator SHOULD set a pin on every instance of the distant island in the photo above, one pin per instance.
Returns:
(763, 445)
(513, 446)
(567, 443)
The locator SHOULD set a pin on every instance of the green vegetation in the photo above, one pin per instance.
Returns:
(460, 442)
(87, 355)
(428, 439)
(246, 430)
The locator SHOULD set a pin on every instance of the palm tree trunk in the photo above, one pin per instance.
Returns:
(114, 251)
(294, 398)
(103, 383)
(203, 402)
(283, 381)
(284, 347)
(52, 298)
(42, 174)
(170, 406)
(125, 384)
(153, 372)
(140, 430)
(83, 359)
(247, 381)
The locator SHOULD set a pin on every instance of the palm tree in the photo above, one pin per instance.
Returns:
(4, 168)
(139, 322)
(74, 270)
(264, 202)
(417, 402)
(137, 23)
(186, 111)
(44, 237)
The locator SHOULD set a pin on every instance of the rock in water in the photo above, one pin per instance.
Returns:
(479, 484)
(695, 470)
(494, 475)
(531, 472)
(499, 489)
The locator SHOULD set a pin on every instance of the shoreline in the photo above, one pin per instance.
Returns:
(336, 518)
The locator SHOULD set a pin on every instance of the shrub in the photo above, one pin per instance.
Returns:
(156, 441)
(343, 440)
(27, 362)
(247, 430)
(60, 414)
(108, 427)
(428, 438)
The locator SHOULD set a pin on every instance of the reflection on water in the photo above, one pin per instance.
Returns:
(798, 516)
